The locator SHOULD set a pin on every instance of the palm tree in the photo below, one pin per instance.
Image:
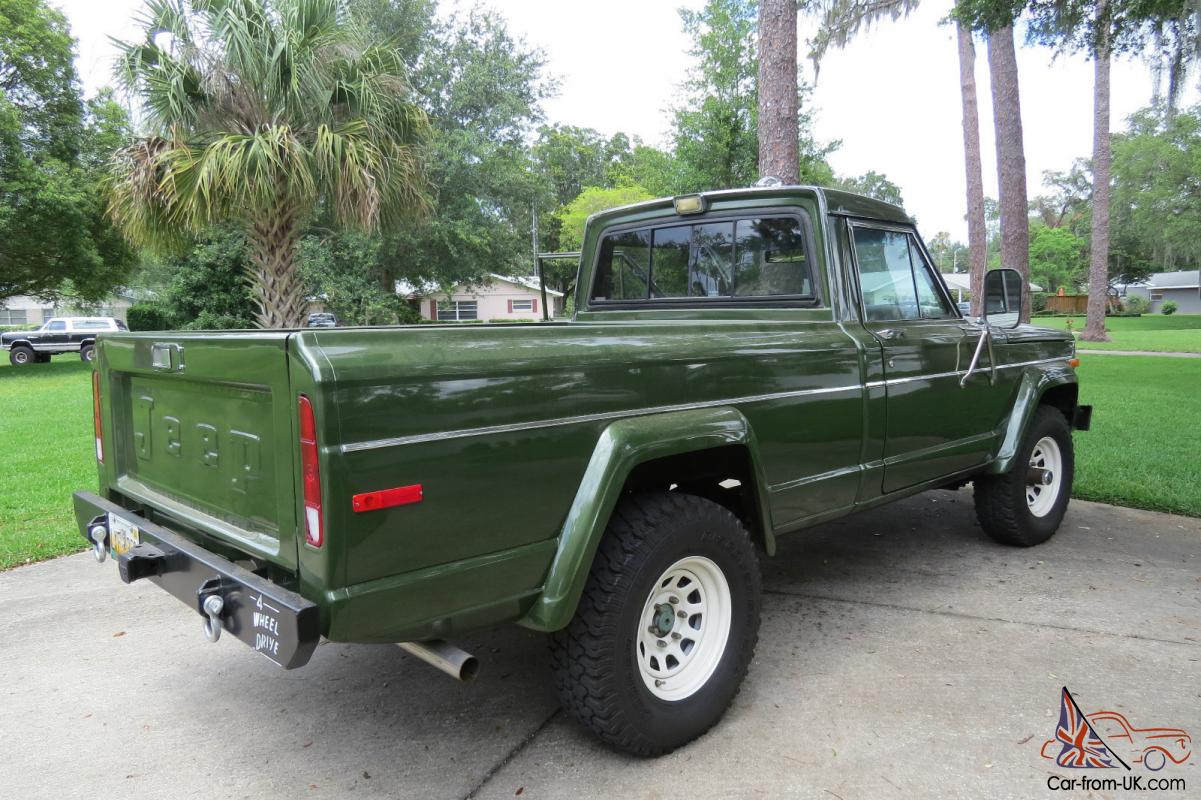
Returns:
(1098, 270)
(779, 148)
(977, 233)
(840, 20)
(1011, 157)
(264, 112)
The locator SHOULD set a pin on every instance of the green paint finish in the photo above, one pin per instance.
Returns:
(524, 437)
(622, 446)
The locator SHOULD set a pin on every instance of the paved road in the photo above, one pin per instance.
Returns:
(902, 655)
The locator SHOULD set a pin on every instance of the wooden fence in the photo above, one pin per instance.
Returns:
(1067, 303)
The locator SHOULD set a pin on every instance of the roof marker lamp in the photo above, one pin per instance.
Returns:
(689, 204)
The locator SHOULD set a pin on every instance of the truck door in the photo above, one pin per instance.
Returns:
(54, 337)
(933, 427)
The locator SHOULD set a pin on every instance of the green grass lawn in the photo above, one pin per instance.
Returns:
(1144, 449)
(1175, 333)
(46, 438)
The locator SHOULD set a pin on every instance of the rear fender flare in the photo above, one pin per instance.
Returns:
(1034, 384)
(622, 446)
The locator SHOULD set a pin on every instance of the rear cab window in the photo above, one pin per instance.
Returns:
(731, 260)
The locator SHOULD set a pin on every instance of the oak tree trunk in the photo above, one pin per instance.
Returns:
(279, 293)
(1098, 269)
(977, 234)
(778, 131)
(1011, 158)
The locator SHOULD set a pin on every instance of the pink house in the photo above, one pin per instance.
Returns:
(498, 299)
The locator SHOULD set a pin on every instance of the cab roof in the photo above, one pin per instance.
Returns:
(837, 201)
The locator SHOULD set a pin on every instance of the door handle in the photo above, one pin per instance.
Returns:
(890, 334)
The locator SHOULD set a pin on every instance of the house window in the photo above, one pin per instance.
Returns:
(13, 316)
(1156, 296)
(456, 310)
(522, 305)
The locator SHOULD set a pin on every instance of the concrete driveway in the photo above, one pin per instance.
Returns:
(902, 654)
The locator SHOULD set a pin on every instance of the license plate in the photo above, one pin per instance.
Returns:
(122, 535)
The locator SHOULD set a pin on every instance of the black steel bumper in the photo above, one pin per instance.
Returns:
(277, 623)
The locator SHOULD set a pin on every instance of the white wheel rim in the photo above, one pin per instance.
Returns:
(1046, 455)
(683, 628)
(21, 358)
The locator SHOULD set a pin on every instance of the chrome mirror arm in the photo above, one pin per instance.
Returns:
(985, 336)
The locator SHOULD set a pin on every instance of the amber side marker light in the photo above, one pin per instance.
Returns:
(1073, 362)
(689, 204)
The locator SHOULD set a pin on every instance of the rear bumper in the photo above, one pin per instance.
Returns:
(275, 622)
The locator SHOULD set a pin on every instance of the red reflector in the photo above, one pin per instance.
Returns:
(387, 498)
(96, 417)
(311, 473)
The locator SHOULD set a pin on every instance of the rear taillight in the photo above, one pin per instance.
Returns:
(96, 417)
(311, 472)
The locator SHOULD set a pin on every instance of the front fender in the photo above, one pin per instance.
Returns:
(622, 446)
(1035, 383)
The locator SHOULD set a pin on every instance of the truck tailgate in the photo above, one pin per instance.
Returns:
(202, 432)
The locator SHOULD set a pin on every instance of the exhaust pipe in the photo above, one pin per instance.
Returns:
(458, 664)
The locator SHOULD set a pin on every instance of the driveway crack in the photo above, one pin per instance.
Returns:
(962, 615)
(512, 754)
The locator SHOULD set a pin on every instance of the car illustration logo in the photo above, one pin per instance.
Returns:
(1107, 739)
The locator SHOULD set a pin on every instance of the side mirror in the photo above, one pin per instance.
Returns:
(1003, 297)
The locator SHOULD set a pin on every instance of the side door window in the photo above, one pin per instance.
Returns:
(895, 281)
(931, 302)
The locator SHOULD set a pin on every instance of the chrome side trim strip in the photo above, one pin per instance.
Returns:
(958, 373)
(799, 482)
(585, 418)
(514, 427)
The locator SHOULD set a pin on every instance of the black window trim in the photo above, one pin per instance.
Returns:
(765, 301)
(911, 230)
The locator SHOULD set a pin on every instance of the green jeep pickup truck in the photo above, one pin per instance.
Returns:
(742, 364)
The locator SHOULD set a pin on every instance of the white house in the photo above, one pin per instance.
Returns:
(30, 311)
(498, 299)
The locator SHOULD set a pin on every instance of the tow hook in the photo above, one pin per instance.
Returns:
(98, 534)
(211, 606)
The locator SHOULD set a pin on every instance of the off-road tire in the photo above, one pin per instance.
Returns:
(1001, 505)
(87, 353)
(593, 659)
(21, 355)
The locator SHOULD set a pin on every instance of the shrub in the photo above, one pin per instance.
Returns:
(1136, 304)
(1038, 302)
(1169, 307)
(147, 317)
